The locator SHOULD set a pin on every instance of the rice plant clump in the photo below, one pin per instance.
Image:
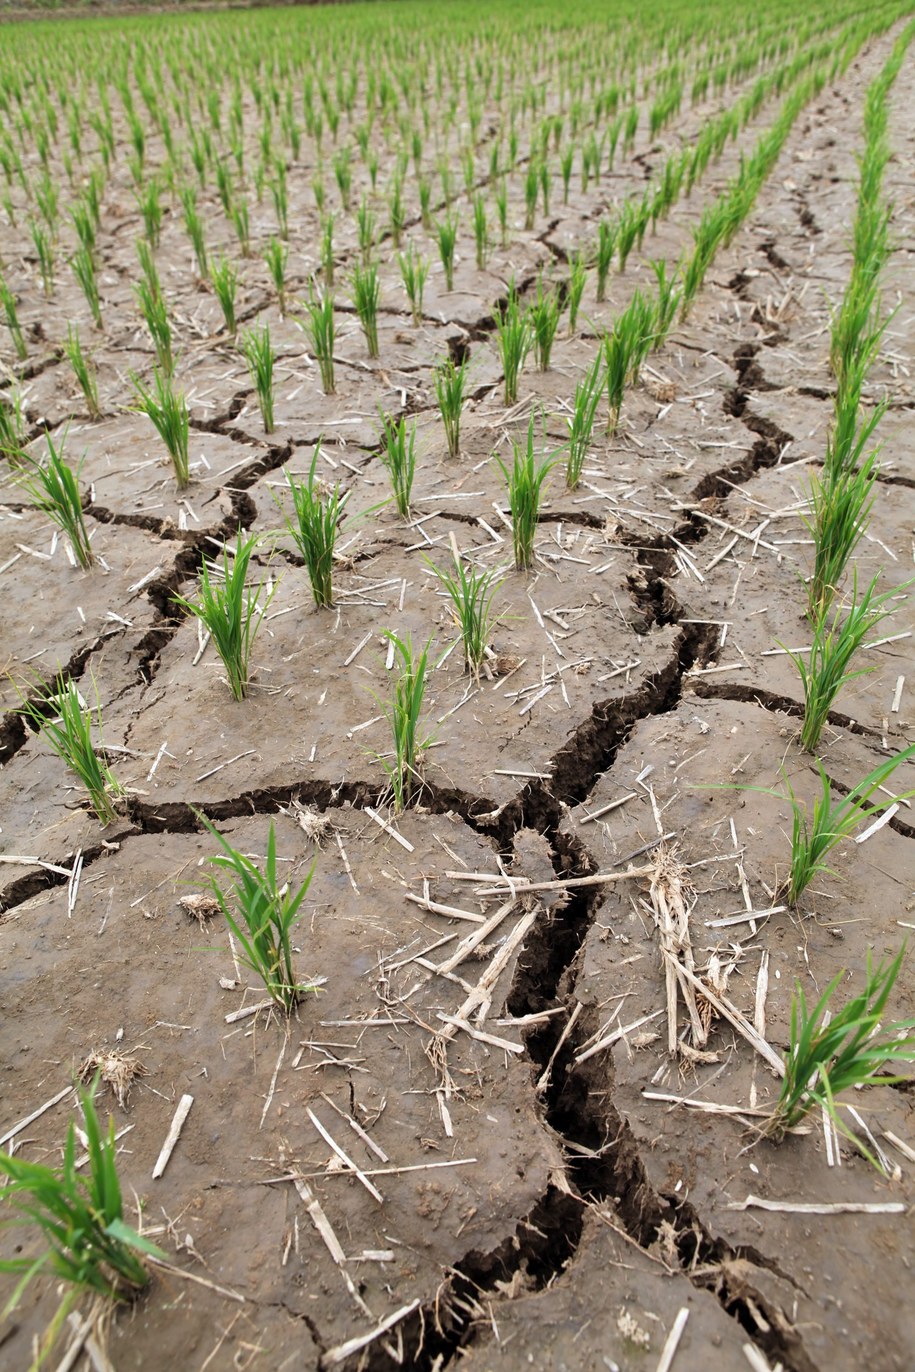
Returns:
(83, 370)
(513, 335)
(398, 453)
(53, 487)
(837, 1050)
(317, 519)
(581, 421)
(65, 722)
(544, 313)
(403, 713)
(319, 329)
(166, 408)
(262, 913)
(13, 428)
(259, 354)
(525, 482)
(471, 592)
(815, 833)
(450, 380)
(89, 1246)
(224, 280)
(414, 270)
(836, 640)
(366, 296)
(231, 610)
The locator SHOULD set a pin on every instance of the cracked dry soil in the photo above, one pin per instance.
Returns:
(555, 1216)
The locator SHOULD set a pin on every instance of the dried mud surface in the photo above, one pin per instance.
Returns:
(557, 1216)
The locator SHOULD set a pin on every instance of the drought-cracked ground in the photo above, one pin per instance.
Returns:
(528, 1203)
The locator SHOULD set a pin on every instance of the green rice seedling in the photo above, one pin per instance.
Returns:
(578, 276)
(224, 280)
(501, 199)
(469, 169)
(525, 484)
(276, 256)
(852, 429)
(224, 186)
(167, 410)
(343, 175)
(317, 519)
(531, 191)
(267, 913)
(232, 610)
(836, 639)
(83, 370)
(398, 453)
(707, 236)
(83, 264)
(414, 271)
(257, 351)
(11, 316)
(545, 183)
(513, 335)
(65, 722)
(13, 428)
(668, 302)
(630, 127)
(241, 223)
(627, 231)
(53, 487)
(148, 266)
(318, 325)
(814, 835)
(44, 249)
(148, 199)
(581, 421)
(856, 332)
(317, 189)
(480, 230)
(450, 380)
(195, 230)
(625, 348)
(544, 313)
(472, 593)
(80, 1216)
(447, 231)
(47, 196)
(841, 503)
(613, 138)
(152, 308)
(366, 295)
(397, 213)
(424, 190)
(365, 225)
(616, 364)
(606, 247)
(403, 714)
(84, 224)
(327, 251)
(280, 194)
(566, 160)
(837, 1050)
(641, 319)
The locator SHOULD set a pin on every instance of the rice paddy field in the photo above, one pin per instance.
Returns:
(457, 701)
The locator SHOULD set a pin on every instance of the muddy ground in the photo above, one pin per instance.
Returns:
(555, 1216)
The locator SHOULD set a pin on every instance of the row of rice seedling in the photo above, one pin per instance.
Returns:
(835, 1050)
(89, 1243)
(842, 495)
(151, 302)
